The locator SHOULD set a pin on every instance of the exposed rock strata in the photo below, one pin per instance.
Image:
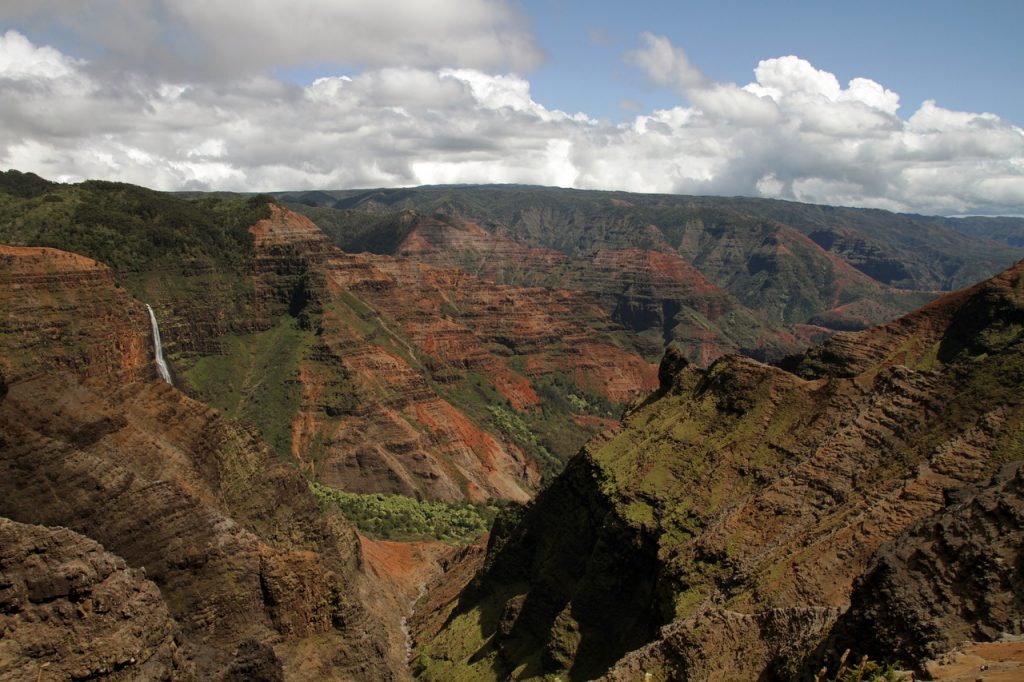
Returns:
(744, 490)
(70, 610)
(62, 311)
(647, 290)
(408, 339)
(719, 644)
(254, 576)
(955, 577)
(785, 269)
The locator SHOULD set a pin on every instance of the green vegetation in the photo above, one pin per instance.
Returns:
(512, 425)
(396, 517)
(457, 653)
(868, 671)
(1008, 230)
(548, 433)
(254, 379)
(554, 428)
(126, 227)
(357, 231)
(189, 258)
(923, 252)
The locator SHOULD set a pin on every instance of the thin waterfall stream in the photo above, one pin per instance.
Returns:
(161, 364)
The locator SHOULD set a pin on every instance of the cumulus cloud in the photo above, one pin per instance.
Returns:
(794, 132)
(21, 60)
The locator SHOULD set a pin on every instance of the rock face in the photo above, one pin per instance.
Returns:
(189, 259)
(71, 610)
(231, 536)
(374, 373)
(653, 291)
(425, 381)
(63, 311)
(254, 576)
(726, 645)
(743, 502)
(404, 436)
(715, 275)
(955, 577)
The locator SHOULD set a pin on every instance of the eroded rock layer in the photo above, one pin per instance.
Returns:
(71, 610)
(62, 311)
(953, 578)
(716, 275)
(421, 380)
(726, 526)
(653, 290)
(253, 575)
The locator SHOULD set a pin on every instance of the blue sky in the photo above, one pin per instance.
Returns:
(904, 105)
(965, 55)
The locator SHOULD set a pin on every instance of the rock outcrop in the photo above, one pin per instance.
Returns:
(744, 502)
(69, 610)
(401, 387)
(252, 573)
(718, 644)
(230, 535)
(953, 578)
(63, 311)
(650, 291)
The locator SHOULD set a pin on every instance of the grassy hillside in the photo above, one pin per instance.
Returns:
(1009, 231)
(129, 228)
(255, 379)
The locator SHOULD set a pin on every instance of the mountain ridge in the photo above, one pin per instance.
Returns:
(247, 566)
(795, 271)
(743, 502)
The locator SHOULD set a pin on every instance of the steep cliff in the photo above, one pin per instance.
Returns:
(373, 373)
(190, 259)
(784, 272)
(740, 504)
(253, 574)
(653, 291)
(397, 376)
(70, 610)
(63, 311)
(955, 577)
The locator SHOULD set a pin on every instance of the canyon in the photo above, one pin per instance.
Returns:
(753, 521)
(232, 564)
(784, 477)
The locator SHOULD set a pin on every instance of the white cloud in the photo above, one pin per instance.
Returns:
(793, 133)
(21, 60)
(203, 39)
(872, 94)
(666, 64)
(790, 75)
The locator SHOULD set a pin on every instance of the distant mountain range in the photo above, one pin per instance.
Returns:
(755, 276)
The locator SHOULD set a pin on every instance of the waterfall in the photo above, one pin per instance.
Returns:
(161, 364)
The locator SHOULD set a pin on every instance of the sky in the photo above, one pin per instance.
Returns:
(907, 105)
